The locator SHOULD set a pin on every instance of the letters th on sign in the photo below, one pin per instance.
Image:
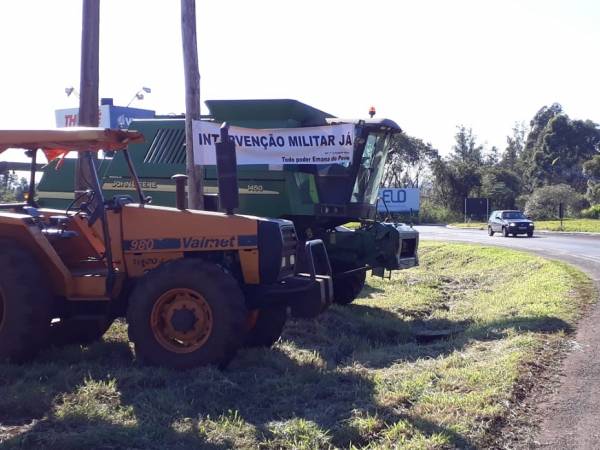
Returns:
(396, 200)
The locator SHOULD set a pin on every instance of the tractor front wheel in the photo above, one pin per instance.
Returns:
(186, 313)
(25, 304)
(266, 326)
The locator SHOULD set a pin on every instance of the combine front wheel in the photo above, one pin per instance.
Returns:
(266, 326)
(186, 313)
(346, 288)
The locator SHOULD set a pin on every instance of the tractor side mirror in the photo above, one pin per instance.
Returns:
(227, 171)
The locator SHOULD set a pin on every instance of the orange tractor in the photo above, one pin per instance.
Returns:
(194, 285)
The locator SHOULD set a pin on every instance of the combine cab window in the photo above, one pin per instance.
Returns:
(370, 170)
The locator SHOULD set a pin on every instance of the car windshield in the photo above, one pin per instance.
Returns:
(513, 215)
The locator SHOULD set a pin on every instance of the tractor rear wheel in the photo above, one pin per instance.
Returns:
(78, 331)
(267, 328)
(25, 304)
(346, 288)
(186, 313)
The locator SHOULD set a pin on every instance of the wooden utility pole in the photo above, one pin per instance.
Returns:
(89, 79)
(192, 101)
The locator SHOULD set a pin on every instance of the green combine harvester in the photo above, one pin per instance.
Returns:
(319, 199)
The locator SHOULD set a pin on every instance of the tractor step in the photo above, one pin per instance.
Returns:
(89, 272)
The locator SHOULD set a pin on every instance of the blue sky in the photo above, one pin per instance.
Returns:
(429, 65)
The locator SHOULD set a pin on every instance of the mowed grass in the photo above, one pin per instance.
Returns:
(573, 225)
(369, 375)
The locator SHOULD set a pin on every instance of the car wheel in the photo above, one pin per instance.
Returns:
(490, 231)
(505, 232)
(530, 234)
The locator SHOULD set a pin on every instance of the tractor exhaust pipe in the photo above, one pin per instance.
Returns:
(227, 171)
(180, 183)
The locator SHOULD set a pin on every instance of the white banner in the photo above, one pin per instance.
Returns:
(314, 145)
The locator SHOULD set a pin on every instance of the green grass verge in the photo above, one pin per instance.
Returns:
(585, 225)
(358, 376)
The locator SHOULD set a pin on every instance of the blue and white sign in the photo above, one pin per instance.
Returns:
(398, 200)
(109, 116)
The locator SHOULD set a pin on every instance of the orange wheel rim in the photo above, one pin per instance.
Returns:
(181, 320)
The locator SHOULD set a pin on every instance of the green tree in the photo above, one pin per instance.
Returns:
(407, 162)
(459, 175)
(515, 145)
(11, 187)
(492, 158)
(502, 186)
(465, 149)
(534, 142)
(544, 202)
(591, 169)
(556, 149)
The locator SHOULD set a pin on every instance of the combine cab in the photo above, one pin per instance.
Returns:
(318, 199)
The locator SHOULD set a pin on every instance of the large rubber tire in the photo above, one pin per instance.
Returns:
(78, 332)
(347, 288)
(268, 327)
(222, 307)
(25, 304)
(490, 231)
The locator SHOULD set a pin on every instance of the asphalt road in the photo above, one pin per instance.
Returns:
(570, 416)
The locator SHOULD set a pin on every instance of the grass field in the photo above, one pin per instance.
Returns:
(367, 375)
(586, 225)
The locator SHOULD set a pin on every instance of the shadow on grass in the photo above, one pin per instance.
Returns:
(66, 400)
(193, 409)
(369, 291)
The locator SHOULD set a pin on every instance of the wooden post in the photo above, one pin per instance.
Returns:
(192, 101)
(88, 87)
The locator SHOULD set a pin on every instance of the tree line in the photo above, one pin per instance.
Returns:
(551, 160)
(12, 188)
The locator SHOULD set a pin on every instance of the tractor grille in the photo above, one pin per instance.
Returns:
(288, 250)
(168, 147)
(408, 248)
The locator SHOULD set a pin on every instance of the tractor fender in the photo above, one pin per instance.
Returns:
(23, 229)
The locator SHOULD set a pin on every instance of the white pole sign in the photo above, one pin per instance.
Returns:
(398, 200)
(311, 145)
